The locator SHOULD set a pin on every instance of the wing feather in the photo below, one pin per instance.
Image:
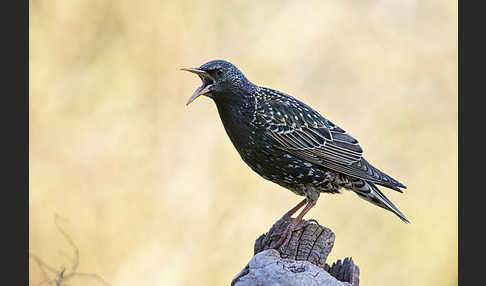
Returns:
(299, 130)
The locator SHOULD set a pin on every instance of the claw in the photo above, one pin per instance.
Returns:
(287, 234)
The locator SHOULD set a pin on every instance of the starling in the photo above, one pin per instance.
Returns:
(289, 143)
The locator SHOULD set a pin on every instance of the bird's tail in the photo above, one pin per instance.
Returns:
(371, 193)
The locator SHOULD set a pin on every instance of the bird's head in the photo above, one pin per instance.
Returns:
(220, 79)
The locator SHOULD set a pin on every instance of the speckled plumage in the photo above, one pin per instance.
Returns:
(289, 143)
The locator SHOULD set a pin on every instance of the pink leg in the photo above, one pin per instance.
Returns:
(285, 237)
(295, 209)
(288, 214)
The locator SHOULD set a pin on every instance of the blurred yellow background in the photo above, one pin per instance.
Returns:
(153, 192)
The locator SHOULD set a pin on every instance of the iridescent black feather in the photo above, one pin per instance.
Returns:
(289, 143)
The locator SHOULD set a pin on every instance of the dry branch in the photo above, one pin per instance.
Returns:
(61, 275)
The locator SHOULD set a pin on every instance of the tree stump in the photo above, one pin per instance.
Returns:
(301, 261)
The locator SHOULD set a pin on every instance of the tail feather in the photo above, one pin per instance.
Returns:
(382, 178)
(372, 194)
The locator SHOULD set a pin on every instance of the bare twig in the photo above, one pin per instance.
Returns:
(61, 276)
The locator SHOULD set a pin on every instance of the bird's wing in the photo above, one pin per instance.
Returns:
(301, 131)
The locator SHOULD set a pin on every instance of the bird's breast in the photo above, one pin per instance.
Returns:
(257, 151)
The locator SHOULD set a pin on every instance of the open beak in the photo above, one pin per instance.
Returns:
(207, 80)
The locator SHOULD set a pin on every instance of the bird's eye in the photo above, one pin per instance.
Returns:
(217, 72)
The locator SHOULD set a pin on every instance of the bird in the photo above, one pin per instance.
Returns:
(289, 143)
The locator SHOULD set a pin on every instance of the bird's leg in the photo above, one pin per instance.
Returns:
(295, 224)
(285, 217)
(293, 210)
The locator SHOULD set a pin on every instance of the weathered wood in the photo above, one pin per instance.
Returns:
(312, 243)
(345, 271)
(300, 261)
(267, 268)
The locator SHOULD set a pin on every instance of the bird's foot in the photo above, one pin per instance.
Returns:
(287, 234)
(274, 230)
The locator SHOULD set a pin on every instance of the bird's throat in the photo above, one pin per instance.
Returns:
(234, 114)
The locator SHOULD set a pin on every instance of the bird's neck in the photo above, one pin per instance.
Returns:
(235, 111)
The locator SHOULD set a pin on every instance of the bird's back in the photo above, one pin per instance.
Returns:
(299, 130)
